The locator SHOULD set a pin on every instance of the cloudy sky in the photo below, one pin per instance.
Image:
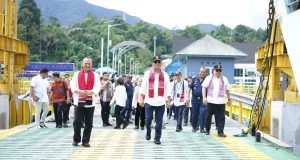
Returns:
(182, 13)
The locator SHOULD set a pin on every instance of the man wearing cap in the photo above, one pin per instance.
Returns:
(155, 96)
(198, 109)
(215, 86)
(179, 94)
(126, 112)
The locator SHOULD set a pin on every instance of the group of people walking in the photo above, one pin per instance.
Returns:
(152, 94)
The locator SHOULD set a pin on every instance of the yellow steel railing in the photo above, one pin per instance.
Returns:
(249, 90)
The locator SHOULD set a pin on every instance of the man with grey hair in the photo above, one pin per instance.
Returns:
(85, 85)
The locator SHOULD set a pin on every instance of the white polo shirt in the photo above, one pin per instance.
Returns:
(41, 88)
(215, 99)
(156, 100)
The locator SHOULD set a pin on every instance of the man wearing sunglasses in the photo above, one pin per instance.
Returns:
(155, 96)
(214, 88)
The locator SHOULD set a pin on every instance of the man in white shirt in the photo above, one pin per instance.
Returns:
(155, 96)
(179, 95)
(215, 86)
(85, 85)
(39, 91)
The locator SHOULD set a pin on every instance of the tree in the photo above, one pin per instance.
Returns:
(29, 27)
(192, 32)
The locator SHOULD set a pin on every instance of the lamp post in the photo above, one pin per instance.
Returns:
(154, 49)
(108, 41)
(135, 68)
(130, 66)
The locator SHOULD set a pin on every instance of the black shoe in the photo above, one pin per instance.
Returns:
(125, 125)
(222, 135)
(42, 125)
(207, 133)
(157, 142)
(117, 127)
(108, 124)
(202, 131)
(65, 125)
(197, 129)
(104, 125)
(185, 124)
(86, 145)
(129, 122)
(178, 129)
(75, 144)
(136, 127)
(142, 128)
(59, 126)
(148, 137)
(193, 130)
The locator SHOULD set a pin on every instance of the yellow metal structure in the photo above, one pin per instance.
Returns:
(14, 56)
(281, 64)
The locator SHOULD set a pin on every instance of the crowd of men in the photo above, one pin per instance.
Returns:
(202, 96)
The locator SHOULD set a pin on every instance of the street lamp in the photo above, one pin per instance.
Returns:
(154, 49)
(130, 66)
(108, 41)
(135, 67)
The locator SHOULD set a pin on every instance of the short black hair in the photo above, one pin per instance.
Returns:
(120, 81)
(55, 74)
(104, 73)
(44, 70)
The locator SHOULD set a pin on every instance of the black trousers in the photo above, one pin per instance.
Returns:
(119, 118)
(88, 114)
(60, 113)
(105, 111)
(219, 111)
(139, 114)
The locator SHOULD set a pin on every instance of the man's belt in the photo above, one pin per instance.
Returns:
(198, 98)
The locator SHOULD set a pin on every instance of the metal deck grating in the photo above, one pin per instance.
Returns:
(108, 143)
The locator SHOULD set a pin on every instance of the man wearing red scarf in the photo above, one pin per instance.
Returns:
(155, 96)
(216, 86)
(85, 85)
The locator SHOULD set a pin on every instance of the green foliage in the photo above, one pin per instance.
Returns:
(29, 26)
(240, 33)
(53, 42)
(192, 32)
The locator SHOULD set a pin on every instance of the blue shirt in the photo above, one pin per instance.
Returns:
(196, 88)
(129, 89)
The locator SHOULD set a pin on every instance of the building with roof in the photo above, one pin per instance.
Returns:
(245, 71)
(207, 52)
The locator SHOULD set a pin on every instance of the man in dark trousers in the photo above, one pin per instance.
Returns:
(214, 89)
(198, 108)
(59, 97)
(126, 112)
(155, 96)
(105, 97)
(85, 85)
